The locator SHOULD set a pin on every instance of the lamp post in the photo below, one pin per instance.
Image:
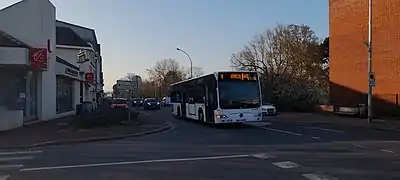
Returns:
(371, 76)
(95, 74)
(190, 59)
(81, 56)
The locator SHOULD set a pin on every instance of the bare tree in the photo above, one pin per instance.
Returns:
(132, 77)
(289, 59)
(165, 72)
(197, 71)
(147, 89)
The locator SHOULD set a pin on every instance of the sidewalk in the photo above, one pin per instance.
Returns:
(57, 132)
(377, 124)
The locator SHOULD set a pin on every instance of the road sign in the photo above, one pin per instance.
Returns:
(371, 83)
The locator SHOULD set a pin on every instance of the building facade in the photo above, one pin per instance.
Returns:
(40, 76)
(348, 53)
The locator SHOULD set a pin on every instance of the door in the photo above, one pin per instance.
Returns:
(209, 104)
(183, 104)
(192, 107)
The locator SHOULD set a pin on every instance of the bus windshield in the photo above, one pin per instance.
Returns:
(239, 94)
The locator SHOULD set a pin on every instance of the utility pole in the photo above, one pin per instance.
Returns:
(371, 76)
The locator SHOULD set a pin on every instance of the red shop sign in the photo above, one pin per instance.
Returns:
(89, 77)
(38, 58)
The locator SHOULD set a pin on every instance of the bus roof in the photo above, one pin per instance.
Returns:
(187, 80)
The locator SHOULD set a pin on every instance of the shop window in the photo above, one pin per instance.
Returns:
(65, 98)
(12, 91)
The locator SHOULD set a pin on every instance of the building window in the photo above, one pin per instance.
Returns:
(12, 91)
(64, 94)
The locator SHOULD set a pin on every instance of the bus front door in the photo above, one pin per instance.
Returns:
(209, 111)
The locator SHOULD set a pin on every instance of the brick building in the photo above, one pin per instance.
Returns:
(348, 22)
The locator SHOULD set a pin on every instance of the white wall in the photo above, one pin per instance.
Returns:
(68, 55)
(14, 55)
(33, 22)
(11, 119)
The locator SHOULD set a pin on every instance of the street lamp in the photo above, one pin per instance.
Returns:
(371, 76)
(155, 84)
(190, 59)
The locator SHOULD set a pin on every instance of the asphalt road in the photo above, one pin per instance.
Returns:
(195, 151)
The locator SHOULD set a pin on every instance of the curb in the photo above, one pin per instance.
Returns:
(93, 139)
(371, 127)
(383, 129)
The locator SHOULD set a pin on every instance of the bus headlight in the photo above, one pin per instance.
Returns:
(221, 116)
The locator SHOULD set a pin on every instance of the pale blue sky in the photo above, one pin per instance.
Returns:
(134, 34)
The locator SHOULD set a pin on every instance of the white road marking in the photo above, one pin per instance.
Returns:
(19, 152)
(359, 145)
(312, 176)
(316, 137)
(324, 129)
(9, 167)
(263, 156)
(388, 151)
(135, 162)
(4, 177)
(15, 158)
(282, 131)
(286, 164)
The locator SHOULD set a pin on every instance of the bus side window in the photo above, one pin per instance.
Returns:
(175, 97)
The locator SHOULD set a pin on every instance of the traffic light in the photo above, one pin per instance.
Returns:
(371, 77)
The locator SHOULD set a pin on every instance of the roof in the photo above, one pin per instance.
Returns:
(74, 25)
(11, 5)
(187, 80)
(66, 36)
(9, 41)
(78, 26)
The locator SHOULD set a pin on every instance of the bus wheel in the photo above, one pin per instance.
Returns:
(201, 115)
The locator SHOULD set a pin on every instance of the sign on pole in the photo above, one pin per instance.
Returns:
(371, 79)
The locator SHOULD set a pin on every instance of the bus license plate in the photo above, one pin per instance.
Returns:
(241, 120)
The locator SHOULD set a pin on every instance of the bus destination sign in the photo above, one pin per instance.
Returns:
(237, 76)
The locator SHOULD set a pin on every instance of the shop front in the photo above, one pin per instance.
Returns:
(19, 86)
(68, 90)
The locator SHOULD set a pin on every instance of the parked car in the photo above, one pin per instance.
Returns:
(119, 103)
(151, 103)
(136, 101)
(141, 101)
(166, 101)
(269, 109)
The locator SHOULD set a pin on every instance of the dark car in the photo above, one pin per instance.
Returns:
(151, 103)
(137, 101)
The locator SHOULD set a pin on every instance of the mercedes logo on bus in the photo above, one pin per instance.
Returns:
(241, 115)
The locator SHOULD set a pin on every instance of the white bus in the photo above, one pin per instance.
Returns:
(220, 97)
